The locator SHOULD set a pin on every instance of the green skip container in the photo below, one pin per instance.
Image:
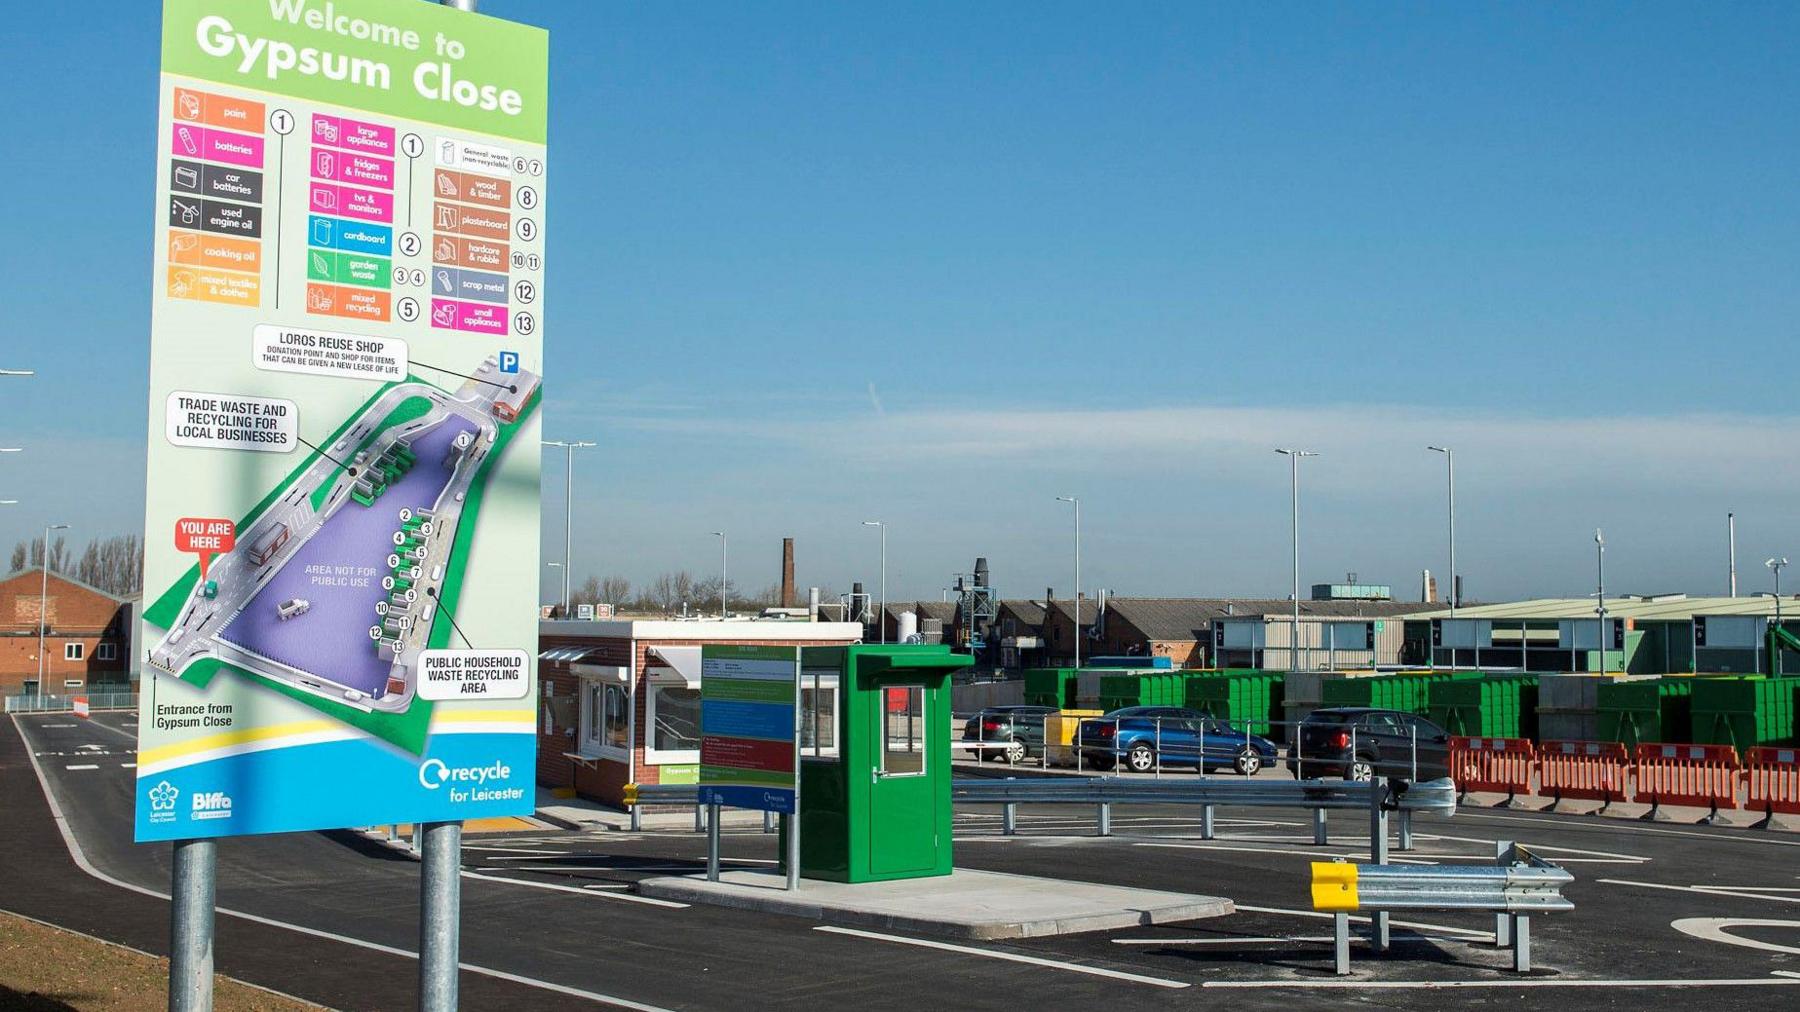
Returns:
(1654, 709)
(1252, 698)
(1745, 712)
(1051, 687)
(1145, 688)
(1408, 692)
(1495, 706)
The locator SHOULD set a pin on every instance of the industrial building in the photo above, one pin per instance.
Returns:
(1228, 632)
(1640, 634)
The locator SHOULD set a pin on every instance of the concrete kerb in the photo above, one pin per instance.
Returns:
(967, 904)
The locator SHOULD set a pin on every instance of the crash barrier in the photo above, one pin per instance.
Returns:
(1700, 775)
(1492, 764)
(1103, 792)
(1518, 885)
(1583, 770)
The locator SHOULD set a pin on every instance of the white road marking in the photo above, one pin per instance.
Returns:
(1702, 890)
(607, 885)
(1432, 985)
(129, 766)
(1011, 957)
(1713, 929)
(81, 766)
(56, 725)
(648, 901)
(1631, 827)
(79, 856)
(1451, 929)
(1322, 939)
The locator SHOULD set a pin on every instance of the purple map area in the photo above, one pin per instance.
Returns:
(339, 571)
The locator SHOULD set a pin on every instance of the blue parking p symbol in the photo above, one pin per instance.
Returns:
(509, 361)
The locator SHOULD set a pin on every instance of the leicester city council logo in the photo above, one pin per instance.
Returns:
(162, 802)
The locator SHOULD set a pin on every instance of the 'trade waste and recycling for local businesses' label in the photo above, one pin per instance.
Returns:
(473, 674)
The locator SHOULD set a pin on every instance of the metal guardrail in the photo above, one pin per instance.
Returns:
(1319, 796)
(1518, 885)
(34, 703)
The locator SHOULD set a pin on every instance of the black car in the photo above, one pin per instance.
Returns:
(1017, 732)
(1357, 742)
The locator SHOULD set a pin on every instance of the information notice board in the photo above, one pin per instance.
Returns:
(341, 520)
(749, 701)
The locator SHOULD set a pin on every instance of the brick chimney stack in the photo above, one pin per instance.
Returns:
(788, 597)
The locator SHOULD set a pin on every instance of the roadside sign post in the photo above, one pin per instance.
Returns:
(346, 358)
(191, 904)
(440, 916)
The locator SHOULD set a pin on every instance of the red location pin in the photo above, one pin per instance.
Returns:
(205, 536)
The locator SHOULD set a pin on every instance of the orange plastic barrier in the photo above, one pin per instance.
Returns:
(1699, 775)
(1772, 776)
(1492, 764)
(1590, 770)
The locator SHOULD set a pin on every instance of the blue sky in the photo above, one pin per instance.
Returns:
(811, 264)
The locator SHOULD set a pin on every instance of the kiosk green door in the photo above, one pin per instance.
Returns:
(903, 831)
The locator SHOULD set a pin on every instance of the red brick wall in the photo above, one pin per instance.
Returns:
(604, 780)
(76, 613)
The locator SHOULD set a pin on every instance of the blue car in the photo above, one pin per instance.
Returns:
(1138, 736)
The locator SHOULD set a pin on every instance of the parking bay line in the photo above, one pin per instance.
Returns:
(1431, 985)
(81, 766)
(1701, 890)
(649, 901)
(1011, 957)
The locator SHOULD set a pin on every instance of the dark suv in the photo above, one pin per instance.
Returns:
(1016, 732)
(1357, 742)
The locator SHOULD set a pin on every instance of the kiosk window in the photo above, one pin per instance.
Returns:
(674, 717)
(605, 717)
(903, 738)
(818, 713)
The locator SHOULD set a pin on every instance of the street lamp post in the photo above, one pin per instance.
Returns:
(724, 560)
(1776, 566)
(1600, 596)
(1076, 500)
(569, 449)
(881, 616)
(556, 565)
(1450, 466)
(44, 605)
(1293, 456)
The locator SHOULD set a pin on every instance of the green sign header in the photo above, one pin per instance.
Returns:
(404, 58)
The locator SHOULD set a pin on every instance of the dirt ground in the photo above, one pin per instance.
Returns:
(45, 969)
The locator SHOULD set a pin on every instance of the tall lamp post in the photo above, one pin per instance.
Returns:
(569, 449)
(1293, 456)
(1600, 596)
(1776, 566)
(1076, 500)
(1450, 466)
(44, 604)
(556, 565)
(881, 616)
(724, 561)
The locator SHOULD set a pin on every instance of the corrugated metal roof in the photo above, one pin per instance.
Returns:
(1669, 608)
(1189, 618)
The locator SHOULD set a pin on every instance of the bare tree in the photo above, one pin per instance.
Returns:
(115, 565)
(662, 595)
(685, 589)
(21, 557)
(614, 590)
(588, 594)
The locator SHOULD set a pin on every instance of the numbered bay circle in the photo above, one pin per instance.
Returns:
(407, 309)
(381, 607)
(525, 291)
(281, 121)
(412, 145)
(524, 323)
(527, 229)
(393, 561)
(527, 197)
(387, 583)
(374, 632)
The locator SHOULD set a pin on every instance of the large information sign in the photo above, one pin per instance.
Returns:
(341, 523)
(749, 698)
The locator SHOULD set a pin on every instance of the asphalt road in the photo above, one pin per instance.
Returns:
(556, 909)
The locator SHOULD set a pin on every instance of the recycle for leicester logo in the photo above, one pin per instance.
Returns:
(162, 802)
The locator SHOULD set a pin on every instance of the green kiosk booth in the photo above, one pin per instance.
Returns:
(875, 774)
